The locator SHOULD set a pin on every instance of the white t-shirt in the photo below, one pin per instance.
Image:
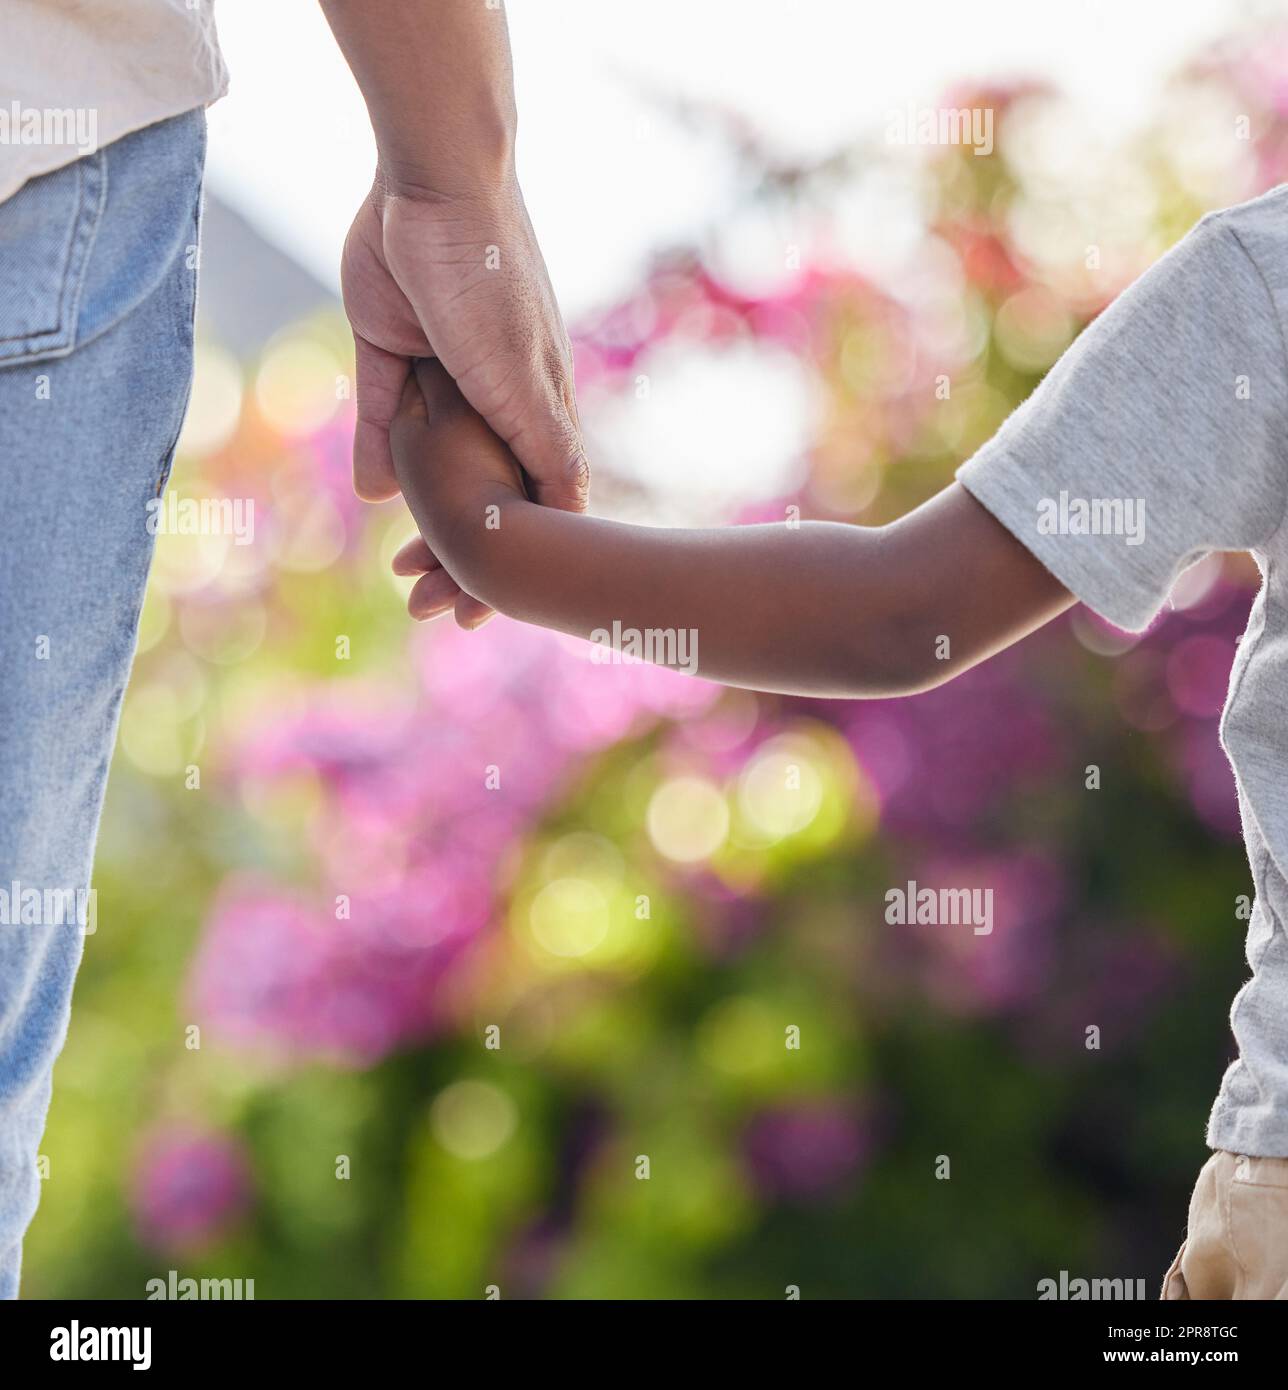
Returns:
(77, 74)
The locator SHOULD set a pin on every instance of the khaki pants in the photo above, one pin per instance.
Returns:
(1236, 1245)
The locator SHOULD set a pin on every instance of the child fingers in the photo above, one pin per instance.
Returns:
(407, 428)
(471, 613)
(412, 401)
(415, 558)
(438, 391)
(432, 594)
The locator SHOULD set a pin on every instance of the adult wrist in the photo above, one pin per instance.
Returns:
(486, 170)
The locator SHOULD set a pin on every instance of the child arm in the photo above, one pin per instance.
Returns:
(817, 608)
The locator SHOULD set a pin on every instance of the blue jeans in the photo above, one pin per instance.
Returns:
(98, 267)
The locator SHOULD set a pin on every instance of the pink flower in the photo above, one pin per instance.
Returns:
(351, 983)
(1006, 962)
(419, 806)
(805, 1150)
(189, 1187)
(945, 759)
(1198, 673)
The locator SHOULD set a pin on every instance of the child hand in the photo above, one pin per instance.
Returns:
(452, 470)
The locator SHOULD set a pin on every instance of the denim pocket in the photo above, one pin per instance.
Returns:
(47, 230)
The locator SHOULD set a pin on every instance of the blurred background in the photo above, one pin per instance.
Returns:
(412, 943)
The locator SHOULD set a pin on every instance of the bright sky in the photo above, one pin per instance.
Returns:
(605, 179)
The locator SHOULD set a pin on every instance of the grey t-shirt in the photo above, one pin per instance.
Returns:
(1159, 437)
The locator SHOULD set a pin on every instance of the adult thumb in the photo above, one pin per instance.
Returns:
(552, 454)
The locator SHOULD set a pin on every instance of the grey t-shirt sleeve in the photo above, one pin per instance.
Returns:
(1161, 434)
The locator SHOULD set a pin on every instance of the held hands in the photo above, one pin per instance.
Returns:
(457, 478)
(441, 260)
(461, 278)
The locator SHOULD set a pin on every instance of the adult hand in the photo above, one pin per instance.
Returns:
(461, 278)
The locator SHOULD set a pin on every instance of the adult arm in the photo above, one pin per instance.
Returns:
(442, 259)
